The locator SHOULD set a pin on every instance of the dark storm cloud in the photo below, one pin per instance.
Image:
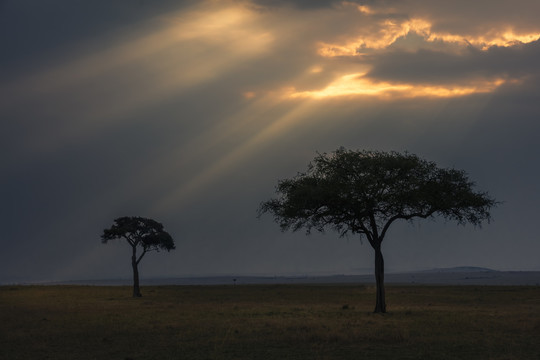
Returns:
(33, 32)
(300, 4)
(427, 66)
(181, 113)
(474, 17)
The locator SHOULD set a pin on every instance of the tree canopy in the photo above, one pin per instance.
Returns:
(364, 192)
(139, 232)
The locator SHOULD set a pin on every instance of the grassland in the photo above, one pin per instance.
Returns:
(269, 322)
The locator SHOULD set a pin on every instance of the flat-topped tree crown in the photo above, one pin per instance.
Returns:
(147, 233)
(364, 192)
(140, 232)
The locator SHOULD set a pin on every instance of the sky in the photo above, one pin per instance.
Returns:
(189, 112)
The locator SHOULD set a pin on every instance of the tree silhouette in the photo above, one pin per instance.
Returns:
(146, 234)
(364, 192)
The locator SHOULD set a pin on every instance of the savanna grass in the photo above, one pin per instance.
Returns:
(269, 322)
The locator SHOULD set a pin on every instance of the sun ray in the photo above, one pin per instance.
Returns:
(233, 157)
(195, 25)
(182, 52)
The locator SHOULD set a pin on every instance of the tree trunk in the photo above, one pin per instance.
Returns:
(134, 265)
(380, 305)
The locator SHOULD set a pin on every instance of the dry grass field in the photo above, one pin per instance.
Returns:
(269, 322)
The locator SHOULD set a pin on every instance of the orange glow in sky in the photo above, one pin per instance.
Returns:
(388, 31)
(359, 85)
(189, 111)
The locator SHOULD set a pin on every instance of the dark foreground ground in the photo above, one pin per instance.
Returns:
(269, 322)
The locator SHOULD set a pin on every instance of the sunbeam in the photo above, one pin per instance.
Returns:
(182, 52)
(229, 161)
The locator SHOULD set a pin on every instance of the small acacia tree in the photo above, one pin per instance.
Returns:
(364, 192)
(146, 234)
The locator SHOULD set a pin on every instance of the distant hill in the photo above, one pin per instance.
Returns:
(460, 269)
(462, 275)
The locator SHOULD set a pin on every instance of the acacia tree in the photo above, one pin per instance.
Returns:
(146, 234)
(364, 192)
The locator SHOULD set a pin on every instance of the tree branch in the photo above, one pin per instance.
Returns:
(140, 257)
(368, 234)
(130, 241)
(374, 228)
(404, 217)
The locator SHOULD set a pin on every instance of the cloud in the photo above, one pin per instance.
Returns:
(191, 113)
(404, 54)
(360, 85)
(475, 18)
(300, 4)
(432, 67)
(106, 86)
(393, 27)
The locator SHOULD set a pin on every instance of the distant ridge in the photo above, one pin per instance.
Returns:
(459, 269)
(463, 275)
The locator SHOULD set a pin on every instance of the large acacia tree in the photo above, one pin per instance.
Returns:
(140, 233)
(365, 192)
